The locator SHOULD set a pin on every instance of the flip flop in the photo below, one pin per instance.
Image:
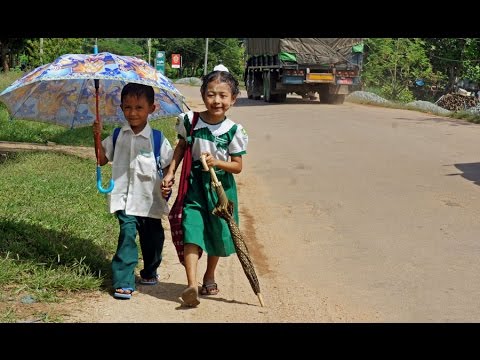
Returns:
(151, 281)
(190, 297)
(124, 295)
(209, 289)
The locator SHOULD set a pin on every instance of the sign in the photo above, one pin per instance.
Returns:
(160, 62)
(176, 61)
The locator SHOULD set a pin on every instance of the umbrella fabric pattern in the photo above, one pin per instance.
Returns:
(63, 92)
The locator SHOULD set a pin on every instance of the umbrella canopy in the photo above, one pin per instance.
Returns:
(224, 209)
(63, 92)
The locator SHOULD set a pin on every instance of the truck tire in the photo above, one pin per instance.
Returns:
(338, 99)
(327, 98)
(249, 86)
(281, 98)
(267, 94)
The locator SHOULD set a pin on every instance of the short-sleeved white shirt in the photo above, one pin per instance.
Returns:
(137, 184)
(215, 137)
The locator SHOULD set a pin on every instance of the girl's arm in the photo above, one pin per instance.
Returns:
(178, 153)
(233, 166)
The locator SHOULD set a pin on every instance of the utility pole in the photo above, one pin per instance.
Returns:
(41, 51)
(149, 44)
(206, 57)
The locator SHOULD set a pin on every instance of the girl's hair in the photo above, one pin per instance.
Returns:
(223, 77)
(139, 90)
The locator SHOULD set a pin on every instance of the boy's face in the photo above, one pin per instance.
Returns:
(136, 110)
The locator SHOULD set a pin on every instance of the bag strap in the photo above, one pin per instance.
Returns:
(194, 122)
(186, 164)
(156, 138)
(116, 131)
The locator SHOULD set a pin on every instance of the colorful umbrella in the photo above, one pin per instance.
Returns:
(63, 92)
(77, 89)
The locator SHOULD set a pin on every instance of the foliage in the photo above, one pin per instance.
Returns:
(394, 64)
(52, 49)
(456, 58)
(124, 46)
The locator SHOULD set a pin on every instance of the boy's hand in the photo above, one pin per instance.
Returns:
(166, 192)
(167, 184)
(96, 128)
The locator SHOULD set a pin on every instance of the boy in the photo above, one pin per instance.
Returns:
(138, 198)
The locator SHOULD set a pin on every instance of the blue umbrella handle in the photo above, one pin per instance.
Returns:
(99, 183)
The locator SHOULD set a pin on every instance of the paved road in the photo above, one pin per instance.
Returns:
(376, 208)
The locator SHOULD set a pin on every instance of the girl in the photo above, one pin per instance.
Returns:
(223, 142)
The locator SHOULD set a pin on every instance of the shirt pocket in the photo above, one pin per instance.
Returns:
(145, 167)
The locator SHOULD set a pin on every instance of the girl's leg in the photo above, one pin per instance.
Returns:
(209, 286)
(191, 261)
(209, 276)
(190, 294)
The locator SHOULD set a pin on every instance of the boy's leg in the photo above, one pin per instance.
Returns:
(126, 257)
(152, 237)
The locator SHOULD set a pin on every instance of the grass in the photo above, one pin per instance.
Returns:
(57, 237)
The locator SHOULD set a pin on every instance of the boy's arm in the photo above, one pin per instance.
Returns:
(170, 170)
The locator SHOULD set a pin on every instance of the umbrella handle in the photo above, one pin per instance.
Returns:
(212, 171)
(99, 183)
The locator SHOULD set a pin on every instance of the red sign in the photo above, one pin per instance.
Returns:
(176, 61)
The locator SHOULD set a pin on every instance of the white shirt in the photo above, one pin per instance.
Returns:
(137, 184)
(220, 67)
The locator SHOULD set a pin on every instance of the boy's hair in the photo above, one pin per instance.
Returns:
(138, 90)
(221, 76)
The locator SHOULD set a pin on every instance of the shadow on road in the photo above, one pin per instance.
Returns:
(470, 171)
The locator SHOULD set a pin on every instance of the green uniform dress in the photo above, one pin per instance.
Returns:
(200, 226)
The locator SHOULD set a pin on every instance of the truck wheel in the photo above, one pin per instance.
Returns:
(249, 86)
(267, 95)
(338, 99)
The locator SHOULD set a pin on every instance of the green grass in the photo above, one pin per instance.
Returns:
(38, 132)
(56, 235)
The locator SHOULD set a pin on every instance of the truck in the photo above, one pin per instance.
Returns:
(276, 67)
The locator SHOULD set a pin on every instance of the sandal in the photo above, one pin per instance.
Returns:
(150, 281)
(123, 293)
(190, 297)
(209, 289)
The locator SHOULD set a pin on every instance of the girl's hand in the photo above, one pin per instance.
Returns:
(209, 159)
(166, 191)
(168, 180)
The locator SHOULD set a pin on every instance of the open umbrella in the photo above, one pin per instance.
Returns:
(224, 209)
(77, 89)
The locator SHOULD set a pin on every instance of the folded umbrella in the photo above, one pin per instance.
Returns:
(224, 209)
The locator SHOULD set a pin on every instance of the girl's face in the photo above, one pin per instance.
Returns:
(218, 99)
(136, 111)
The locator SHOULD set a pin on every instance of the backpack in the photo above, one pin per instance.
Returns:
(156, 138)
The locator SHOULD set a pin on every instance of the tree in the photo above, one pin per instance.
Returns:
(392, 65)
(457, 58)
(52, 49)
(9, 52)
